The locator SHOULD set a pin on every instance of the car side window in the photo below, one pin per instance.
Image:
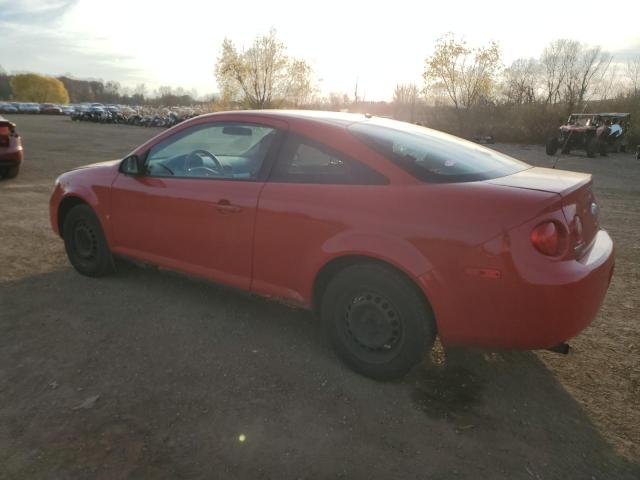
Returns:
(234, 151)
(302, 160)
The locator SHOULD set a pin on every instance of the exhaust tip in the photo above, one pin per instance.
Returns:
(562, 348)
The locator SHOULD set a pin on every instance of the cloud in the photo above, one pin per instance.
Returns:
(34, 41)
(629, 51)
(26, 12)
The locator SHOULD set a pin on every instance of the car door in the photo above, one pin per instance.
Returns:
(313, 194)
(193, 208)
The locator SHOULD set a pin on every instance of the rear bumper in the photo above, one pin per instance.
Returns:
(525, 309)
(10, 158)
(11, 155)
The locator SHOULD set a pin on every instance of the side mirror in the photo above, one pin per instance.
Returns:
(132, 165)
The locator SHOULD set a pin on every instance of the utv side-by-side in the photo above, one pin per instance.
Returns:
(592, 132)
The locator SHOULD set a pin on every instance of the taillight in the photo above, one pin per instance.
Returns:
(548, 238)
(4, 136)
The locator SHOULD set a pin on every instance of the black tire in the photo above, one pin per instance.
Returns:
(12, 172)
(377, 321)
(592, 147)
(602, 147)
(85, 243)
(552, 146)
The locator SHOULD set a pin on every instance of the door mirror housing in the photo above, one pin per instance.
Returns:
(132, 165)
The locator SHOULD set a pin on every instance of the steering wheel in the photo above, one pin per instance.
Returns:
(199, 153)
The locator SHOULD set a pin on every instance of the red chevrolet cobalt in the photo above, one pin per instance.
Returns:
(10, 149)
(394, 233)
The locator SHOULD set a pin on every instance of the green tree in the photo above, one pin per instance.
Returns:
(262, 76)
(31, 87)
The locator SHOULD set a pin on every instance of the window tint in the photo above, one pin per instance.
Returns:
(306, 161)
(434, 156)
(220, 150)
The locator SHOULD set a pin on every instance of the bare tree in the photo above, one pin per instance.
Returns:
(633, 75)
(262, 75)
(571, 70)
(585, 66)
(521, 81)
(610, 84)
(337, 101)
(405, 98)
(555, 61)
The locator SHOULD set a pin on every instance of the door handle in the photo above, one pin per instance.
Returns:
(225, 206)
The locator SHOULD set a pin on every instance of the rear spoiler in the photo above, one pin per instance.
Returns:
(6, 123)
(7, 130)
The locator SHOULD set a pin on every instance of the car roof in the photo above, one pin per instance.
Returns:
(332, 118)
(601, 114)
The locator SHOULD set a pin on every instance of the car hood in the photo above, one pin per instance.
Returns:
(98, 165)
(544, 179)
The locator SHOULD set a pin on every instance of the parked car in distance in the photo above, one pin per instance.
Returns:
(67, 109)
(7, 108)
(29, 108)
(392, 232)
(50, 109)
(10, 149)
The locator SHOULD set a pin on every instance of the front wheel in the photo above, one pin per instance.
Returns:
(85, 242)
(377, 321)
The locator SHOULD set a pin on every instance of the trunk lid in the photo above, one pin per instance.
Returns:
(578, 202)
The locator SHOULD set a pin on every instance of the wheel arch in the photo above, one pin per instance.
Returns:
(65, 206)
(331, 268)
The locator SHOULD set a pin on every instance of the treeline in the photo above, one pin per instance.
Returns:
(467, 91)
(112, 92)
(79, 91)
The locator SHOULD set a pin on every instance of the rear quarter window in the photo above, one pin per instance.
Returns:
(433, 156)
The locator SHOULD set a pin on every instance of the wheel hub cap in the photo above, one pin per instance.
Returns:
(85, 241)
(372, 322)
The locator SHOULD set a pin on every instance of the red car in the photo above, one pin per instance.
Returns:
(50, 109)
(392, 232)
(10, 149)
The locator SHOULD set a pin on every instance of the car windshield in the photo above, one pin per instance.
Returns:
(434, 156)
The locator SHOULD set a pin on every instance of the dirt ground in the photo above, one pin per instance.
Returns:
(150, 374)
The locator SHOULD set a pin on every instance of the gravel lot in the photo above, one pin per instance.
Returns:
(151, 374)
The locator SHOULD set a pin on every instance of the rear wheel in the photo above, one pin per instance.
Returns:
(552, 145)
(85, 243)
(592, 147)
(376, 320)
(602, 147)
(12, 172)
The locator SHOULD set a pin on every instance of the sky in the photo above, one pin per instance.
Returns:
(377, 44)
